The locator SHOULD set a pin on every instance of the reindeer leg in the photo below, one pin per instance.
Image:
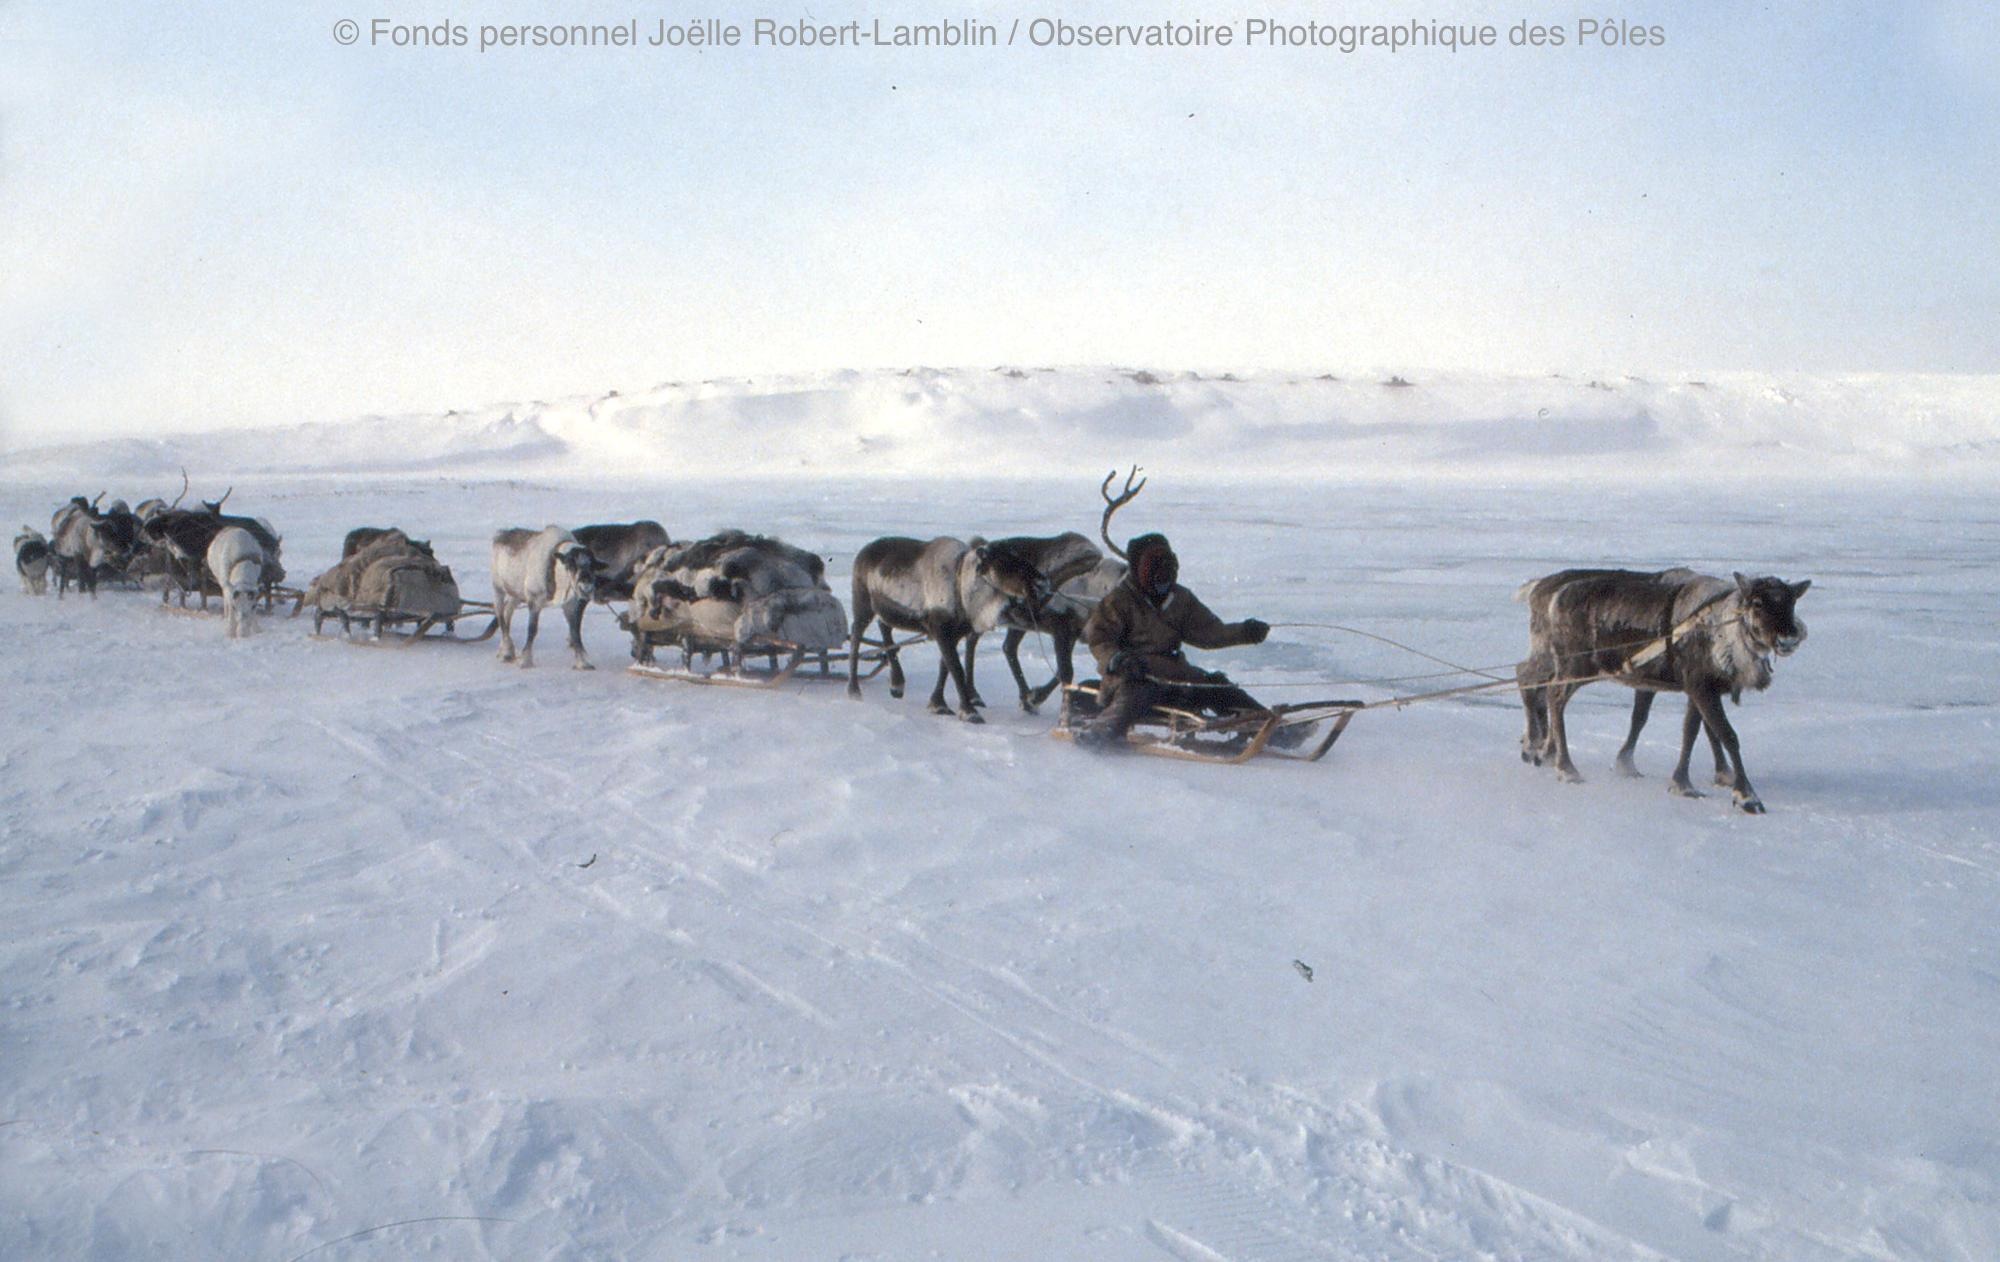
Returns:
(1722, 774)
(1680, 786)
(896, 678)
(862, 614)
(971, 652)
(947, 669)
(1065, 636)
(1710, 703)
(1642, 706)
(528, 644)
(1010, 648)
(1533, 680)
(948, 662)
(573, 612)
(503, 613)
(1558, 701)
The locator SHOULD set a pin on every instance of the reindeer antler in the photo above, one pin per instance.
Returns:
(1113, 504)
(95, 502)
(225, 497)
(184, 489)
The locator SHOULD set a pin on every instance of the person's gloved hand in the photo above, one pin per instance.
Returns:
(1255, 630)
(1125, 665)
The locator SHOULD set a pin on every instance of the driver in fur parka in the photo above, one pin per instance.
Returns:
(1136, 633)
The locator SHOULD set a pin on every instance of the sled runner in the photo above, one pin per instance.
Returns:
(1167, 732)
(759, 663)
(383, 625)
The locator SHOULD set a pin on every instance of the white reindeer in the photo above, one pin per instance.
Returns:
(236, 560)
(31, 560)
(537, 568)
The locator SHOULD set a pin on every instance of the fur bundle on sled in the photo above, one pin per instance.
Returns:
(737, 590)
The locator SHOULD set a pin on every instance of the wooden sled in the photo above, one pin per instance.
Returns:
(1166, 732)
(784, 661)
(381, 628)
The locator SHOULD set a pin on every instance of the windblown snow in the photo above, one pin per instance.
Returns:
(1037, 421)
(315, 951)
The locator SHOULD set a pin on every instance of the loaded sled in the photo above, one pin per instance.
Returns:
(390, 584)
(753, 611)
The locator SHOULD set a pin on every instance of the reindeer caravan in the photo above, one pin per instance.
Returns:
(750, 610)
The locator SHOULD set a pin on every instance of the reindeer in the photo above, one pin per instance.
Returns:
(537, 568)
(618, 549)
(1671, 631)
(31, 561)
(88, 544)
(945, 588)
(261, 530)
(179, 539)
(1080, 576)
(236, 562)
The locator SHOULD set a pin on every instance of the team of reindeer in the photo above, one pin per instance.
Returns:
(1666, 631)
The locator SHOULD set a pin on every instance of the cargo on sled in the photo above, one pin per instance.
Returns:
(392, 583)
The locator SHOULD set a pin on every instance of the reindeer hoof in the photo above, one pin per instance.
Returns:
(896, 692)
(1749, 805)
(583, 666)
(1724, 780)
(1627, 768)
(938, 707)
(853, 693)
(1569, 775)
(971, 716)
(1029, 707)
(1682, 789)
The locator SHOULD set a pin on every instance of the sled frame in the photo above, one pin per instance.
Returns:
(1230, 739)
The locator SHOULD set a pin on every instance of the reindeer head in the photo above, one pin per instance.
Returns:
(1013, 575)
(1767, 606)
(577, 570)
(109, 544)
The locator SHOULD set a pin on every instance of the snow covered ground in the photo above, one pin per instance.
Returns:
(313, 950)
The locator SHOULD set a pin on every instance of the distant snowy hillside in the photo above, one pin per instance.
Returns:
(1037, 421)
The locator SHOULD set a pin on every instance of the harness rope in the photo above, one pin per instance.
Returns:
(1649, 648)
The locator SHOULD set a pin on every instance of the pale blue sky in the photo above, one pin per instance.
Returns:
(216, 215)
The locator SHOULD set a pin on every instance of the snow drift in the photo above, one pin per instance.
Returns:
(1028, 421)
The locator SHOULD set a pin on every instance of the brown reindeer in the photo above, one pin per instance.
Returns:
(1671, 631)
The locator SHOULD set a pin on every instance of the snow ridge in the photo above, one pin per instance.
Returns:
(1028, 421)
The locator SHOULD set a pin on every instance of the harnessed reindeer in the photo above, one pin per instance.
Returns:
(538, 568)
(947, 589)
(1671, 631)
(1079, 575)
